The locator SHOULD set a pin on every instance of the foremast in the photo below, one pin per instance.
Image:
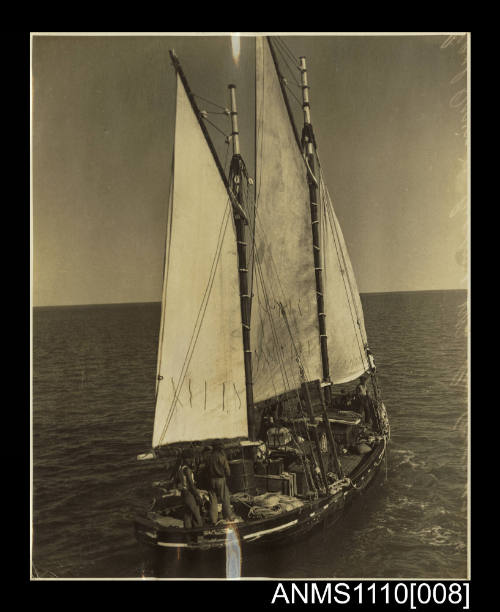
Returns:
(238, 176)
(196, 110)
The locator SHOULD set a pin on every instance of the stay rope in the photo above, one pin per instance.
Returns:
(286, 49)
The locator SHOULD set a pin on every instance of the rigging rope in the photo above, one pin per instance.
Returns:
(310, 172)
(209, 101)
(274, 334)
(285, 61)
(226, 135)
(351, 302)
(288, 390)
(272, 324)
(330, 211)
(226, 156)
(356, 317)
(277, 290)
(272, 271)
(199, 320)
(287, 48)
(259, 156)
(286, 382)
(285, 83)
(328, 207)
(166, 259)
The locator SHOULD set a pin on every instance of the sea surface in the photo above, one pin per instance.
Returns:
(93, 407)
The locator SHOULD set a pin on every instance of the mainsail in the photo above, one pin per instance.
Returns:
(284, 328)
(201, 382)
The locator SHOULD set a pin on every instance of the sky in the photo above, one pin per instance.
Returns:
(389, 115)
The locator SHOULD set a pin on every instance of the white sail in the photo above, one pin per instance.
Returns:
(201, 386)
(281, 338)
(344, 314)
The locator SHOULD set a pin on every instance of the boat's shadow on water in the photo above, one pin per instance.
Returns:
(322, 549)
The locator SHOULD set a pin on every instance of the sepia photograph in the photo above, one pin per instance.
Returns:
(250, 302)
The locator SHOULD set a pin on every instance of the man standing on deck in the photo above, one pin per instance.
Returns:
(361, 389)
(364, 399)
(218, 470)
(189, 493)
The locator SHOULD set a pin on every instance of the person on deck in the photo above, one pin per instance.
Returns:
(373, 367)
(190, 495)
(364, 399)
(361, 388)
(217, 470)
(345, 402)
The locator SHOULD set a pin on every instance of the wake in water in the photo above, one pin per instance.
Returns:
(88, 430)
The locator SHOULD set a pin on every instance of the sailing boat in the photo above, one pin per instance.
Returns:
(261, 332)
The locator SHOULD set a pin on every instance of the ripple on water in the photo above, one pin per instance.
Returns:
(93, 375)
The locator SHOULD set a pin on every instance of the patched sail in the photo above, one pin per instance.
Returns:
(344, 314)
(284, 328)
(201, 381)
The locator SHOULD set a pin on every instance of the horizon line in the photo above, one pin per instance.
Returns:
(159, 301)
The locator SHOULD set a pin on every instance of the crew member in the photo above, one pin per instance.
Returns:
(373, 367)
(361, 388)
(364, 399)
(218, 470)
(190, 495)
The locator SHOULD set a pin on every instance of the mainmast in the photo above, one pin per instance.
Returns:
(238, 174)
(308, 143)
(309, 146)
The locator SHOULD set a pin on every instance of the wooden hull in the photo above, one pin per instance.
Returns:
(275, 530)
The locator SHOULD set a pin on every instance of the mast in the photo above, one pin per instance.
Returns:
(238, 174)
(205, 374)
(308, 143)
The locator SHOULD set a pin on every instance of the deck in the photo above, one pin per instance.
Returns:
(349, 462)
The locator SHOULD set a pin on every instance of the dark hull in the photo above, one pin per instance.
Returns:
(277, 530)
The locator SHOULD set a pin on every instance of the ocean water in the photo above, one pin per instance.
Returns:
(93, 408)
